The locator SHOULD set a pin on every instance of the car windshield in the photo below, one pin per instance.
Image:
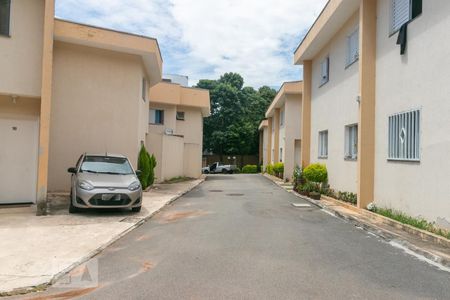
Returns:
(106, 165)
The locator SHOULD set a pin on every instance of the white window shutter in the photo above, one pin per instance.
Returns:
(401, 13)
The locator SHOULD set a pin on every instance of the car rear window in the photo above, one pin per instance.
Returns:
(106, 165)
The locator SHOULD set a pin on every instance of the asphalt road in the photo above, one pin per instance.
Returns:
(239, 237)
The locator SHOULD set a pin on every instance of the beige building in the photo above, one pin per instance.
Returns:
(68, 88)
(176, 129)
(280, 133)
(377, 114)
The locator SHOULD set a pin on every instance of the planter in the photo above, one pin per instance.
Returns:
(304, 193)
(314, 195)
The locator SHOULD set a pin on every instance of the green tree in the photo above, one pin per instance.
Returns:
(236, 112)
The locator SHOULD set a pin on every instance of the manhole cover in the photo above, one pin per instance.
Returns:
(216, 191)
(235, 195)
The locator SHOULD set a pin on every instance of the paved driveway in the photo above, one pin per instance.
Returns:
(238, 237)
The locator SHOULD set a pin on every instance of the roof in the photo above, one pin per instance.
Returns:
(96, 37)
(288, 88)
(331, 19)
(175, 94)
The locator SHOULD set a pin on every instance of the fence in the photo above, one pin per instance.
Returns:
(238, 160)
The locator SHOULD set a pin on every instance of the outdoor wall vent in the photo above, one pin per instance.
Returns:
(168, 131)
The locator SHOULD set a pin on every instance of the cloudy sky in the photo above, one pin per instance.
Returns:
(206, 38)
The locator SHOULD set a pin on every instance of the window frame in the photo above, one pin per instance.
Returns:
(394, 141)
(321, 146)
(8, 22)
(180, 118)
(161, 116)
(348, 60)
(351, 152)
(413, 4)
(325, 79)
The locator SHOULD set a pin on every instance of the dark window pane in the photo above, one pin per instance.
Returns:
(416, 8)
(5, 7)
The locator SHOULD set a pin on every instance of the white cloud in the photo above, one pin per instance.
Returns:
(204, 38)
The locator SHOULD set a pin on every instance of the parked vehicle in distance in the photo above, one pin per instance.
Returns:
(104, 181)
(218, 167)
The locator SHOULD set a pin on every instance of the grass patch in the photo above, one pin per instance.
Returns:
(178, 179)
(415, 222)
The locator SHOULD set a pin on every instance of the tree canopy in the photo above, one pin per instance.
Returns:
(236, 112)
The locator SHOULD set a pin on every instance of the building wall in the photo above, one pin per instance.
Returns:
(154, 144)
(417, 80)
(95, 108)
(192, 160)
(292, 133)
(192, 127)
(173, 157)
(282, 137)
(333, 106)
(169, 118)
(272, 146)
(21, 53)
(265, 141)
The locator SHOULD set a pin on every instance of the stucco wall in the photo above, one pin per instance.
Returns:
(265, 137)
(172, 157)
(333, 106)
(292, 132)
(192, 127)
(154, 144)
(95, 108)
(192, 160)
(169, 118)
(21, 53)
(282, 137)
(418, 80)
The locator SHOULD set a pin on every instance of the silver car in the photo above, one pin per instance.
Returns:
(104, 181)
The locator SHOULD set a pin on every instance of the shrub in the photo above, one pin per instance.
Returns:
(144, 167)
(278, 169)
(250, 169)
(151, 175)
(316, 173)
(308, 187)
(269, 169)
(347, 197)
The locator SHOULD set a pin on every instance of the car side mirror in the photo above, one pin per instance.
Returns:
(72, 170)
(138, 172)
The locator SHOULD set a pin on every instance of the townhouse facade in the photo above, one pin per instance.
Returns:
(66, 89)
(176, 129)
(374, 104)
(280, 133)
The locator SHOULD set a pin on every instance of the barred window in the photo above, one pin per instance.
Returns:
(404, 136)
(351, 141)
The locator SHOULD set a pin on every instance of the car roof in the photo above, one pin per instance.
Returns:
(105, 155)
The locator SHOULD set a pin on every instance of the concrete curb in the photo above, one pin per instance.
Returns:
(43, 286)
(382, 233)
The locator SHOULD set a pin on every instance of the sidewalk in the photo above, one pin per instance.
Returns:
(35, 251)
(422, 244)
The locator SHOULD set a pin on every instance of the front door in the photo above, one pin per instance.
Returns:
(18, 160)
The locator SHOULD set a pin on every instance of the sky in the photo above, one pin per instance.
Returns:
(204, 39)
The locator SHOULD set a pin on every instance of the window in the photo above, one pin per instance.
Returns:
(144, 89)
(352, 47)
(403, 11)
(404, 136)
(282, 118)
(5, 12)
(180, 115)
(325, 71)
(323, 144)
(351, 141)
(281, 154)
(156, 116)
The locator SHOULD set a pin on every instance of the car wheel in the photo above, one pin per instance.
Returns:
(136, 209)
(206, 172)
(224, 171)
(230, 172)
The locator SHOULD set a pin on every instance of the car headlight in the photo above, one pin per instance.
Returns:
(85, 185)
(134, 186)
